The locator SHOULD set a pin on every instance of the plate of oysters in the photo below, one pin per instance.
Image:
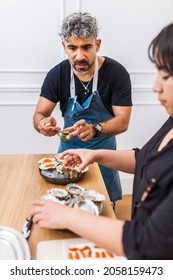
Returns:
(52, 170)
(76, 196)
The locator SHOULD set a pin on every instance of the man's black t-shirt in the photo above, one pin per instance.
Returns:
(114, 85)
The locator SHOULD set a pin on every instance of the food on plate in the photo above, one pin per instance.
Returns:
(72, 172)
(59, 193)
(47, 160)
(86, 251)
(74, 196)
(48, 165)
(87, 205)
(52, 198)
(75, 189)
(62, 159)
(54, 166)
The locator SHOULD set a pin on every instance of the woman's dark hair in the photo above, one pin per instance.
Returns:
(160, 50)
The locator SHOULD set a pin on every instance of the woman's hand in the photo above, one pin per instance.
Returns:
(80, 157)
(49, 214)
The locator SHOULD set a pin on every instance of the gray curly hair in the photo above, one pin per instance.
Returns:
(81, 25)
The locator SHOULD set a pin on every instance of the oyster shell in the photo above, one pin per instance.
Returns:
(71, 201)
(52, 198)
(88, 206)
(70, 171)
(57, 157)
(75, 189)
(59, 193)
(78, 197)
(48, 165)
(99, 206)
(46, 160)
(92, 195)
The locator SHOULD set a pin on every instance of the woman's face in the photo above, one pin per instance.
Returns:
(163, 85)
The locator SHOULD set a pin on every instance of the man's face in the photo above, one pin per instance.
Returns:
(81, 53)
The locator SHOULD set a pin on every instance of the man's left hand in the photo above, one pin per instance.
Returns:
(81, 129)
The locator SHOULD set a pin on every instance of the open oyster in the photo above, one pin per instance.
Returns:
(71, 201)
(88, 206)
(92, 195)
(52, 198)
(72, 172)
(69, 171)
(78, 197)
(75, 189)
(59, 193)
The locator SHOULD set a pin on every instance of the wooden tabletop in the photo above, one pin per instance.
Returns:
(21, 183)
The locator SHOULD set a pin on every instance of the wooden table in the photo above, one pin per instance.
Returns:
(21, 182)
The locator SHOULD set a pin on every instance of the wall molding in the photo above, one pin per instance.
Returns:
(17, 103)
(43, 71)
(23, 71)
(142, 72)
(19, 88)
(35, 88)
(31, 89)
(28, 88)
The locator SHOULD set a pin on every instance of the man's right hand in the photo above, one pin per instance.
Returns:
(48, 127)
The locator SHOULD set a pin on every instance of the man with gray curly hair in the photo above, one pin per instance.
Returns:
(80, 25)
(94, 93)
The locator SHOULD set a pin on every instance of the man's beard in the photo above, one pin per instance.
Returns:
(85, 69)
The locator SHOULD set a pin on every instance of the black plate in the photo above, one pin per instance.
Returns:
(52, 176)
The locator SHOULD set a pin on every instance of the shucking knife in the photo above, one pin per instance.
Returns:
(27, 227)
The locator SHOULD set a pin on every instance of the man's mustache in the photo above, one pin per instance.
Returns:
(81, 62)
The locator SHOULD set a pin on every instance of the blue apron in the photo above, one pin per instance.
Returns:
(92, 111)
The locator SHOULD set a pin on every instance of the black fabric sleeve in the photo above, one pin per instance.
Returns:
(136, 152)
(152, 239)
(121, 93)
(49, 88)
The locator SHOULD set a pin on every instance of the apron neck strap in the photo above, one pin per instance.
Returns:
(95, 80)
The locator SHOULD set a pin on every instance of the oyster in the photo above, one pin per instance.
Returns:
(48, 165)
(58, 169)
(47, 160)
(74, 189)
(59, 193)
(52, 198)
(57, 157)
(88, 206)
(71, 201)
(99, 206)
(76, 196)
(92, 195)
(70, 171)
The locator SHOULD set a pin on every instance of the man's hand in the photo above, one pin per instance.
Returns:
(48, 127)
(81, 129)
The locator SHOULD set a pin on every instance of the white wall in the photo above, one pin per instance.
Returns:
(30, 46)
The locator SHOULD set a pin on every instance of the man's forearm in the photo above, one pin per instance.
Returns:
(114, 126)
(36, 120)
